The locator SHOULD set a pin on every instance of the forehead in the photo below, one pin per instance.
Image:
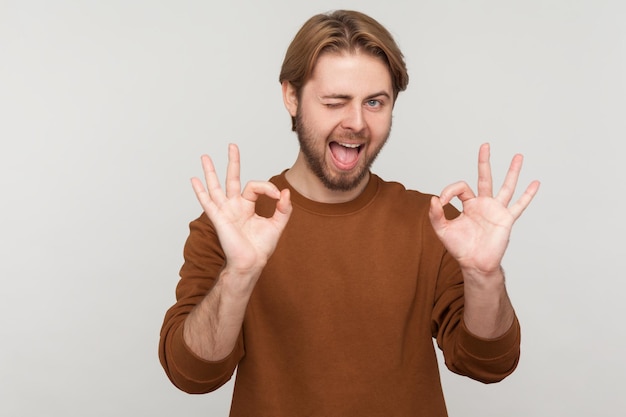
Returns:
(352, 74)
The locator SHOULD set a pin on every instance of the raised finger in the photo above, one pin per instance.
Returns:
(201, 194)
(510, 181)
(485, 181)
(233, 180)
(520, 205)
(214, 189)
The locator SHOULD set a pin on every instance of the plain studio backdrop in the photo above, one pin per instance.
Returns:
(106, 107)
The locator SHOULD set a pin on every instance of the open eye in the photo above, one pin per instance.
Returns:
(373, 103)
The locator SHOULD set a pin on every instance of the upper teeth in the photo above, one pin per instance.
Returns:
(350, 145)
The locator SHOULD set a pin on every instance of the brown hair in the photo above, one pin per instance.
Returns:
(338, 31)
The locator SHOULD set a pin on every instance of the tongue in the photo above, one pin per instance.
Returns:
(346, 156)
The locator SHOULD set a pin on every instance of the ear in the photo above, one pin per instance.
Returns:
(290, 98)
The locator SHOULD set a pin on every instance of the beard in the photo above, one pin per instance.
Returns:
(316, 159)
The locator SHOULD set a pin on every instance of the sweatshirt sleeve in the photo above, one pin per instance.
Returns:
(203, 260)
(485, 360)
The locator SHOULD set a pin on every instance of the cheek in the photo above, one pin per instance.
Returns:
(379, 126)
(322, 123)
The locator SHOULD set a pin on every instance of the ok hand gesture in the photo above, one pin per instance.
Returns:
(479, 236)
(248, 240)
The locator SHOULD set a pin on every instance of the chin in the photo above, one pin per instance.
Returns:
(344, 181)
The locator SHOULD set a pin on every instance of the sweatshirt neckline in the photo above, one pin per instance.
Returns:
(330, 209)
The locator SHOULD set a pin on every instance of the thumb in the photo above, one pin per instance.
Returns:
(283, 209)
(436, 214)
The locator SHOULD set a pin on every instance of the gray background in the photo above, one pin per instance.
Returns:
(106, 106)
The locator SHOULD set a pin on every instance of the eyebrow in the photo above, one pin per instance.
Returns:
(348, 97)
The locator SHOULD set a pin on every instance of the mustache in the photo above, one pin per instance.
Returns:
(349, 136)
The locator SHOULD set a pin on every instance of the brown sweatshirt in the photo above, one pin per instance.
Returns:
(342, 320)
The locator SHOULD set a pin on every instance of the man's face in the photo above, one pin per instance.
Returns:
(343, 117)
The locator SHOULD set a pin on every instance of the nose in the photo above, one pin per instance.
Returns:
(353, 118)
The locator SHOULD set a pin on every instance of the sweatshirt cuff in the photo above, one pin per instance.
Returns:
(482, 348)
(194, 368)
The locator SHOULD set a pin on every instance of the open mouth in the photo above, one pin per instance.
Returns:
(345, 155)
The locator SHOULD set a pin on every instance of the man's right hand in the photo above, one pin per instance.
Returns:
(248, 240)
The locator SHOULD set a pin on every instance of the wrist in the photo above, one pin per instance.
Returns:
(483, 280)
(237, 282)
